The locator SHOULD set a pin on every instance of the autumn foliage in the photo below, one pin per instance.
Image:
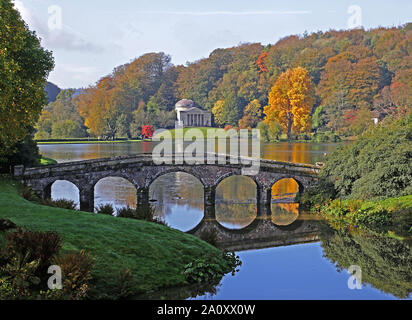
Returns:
(261, 62)
(291, 100)
(345, 71)
(147, 131)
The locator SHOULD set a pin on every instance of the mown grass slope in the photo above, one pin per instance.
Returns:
(155, 254)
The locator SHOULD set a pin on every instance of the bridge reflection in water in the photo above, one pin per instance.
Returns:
(278, 225)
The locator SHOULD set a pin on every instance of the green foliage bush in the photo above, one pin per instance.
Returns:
(105, 209)
(358, 213)
(327, 136)
(25, 153)
(270, 132)
(60, 203)
(142, 212)
(377, 165)
(316, 195)
(206, 270)
(125, 287)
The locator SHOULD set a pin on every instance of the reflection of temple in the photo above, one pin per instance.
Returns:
(190, 115)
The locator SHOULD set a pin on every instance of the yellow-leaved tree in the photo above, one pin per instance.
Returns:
(291, 100)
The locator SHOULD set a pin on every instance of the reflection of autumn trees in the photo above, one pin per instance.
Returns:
(236, 189)
(284, 214)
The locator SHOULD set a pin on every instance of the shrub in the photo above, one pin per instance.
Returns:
(28, 194)
(142, 212)
(76, 273)
(377, 165)
(126, 212)
(208, 270)
(20, 274)
(125, 287)
(105, 209)
(326, 137)
(36, 245)
(64, 204)
(316, 195)
(6, 224)
(303, 136)
(59, 203)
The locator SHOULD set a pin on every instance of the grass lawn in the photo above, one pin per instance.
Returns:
(219, 133)
(47, 161)
(155, 254)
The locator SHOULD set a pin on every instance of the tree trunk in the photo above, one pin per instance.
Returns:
(289, 127)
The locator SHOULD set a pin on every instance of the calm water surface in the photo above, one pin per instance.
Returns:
(286, 264)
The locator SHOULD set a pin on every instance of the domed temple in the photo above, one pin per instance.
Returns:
(191, 115)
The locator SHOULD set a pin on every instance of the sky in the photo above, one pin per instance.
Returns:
(89, 38)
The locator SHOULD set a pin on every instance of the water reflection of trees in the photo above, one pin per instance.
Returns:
(386, 263)
(236, 198)
(284, 214)
(115, 190)
(176, 188)
(235, 215)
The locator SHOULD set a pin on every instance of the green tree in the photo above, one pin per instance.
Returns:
(378, 164)
(269, 132)
(67, 129)
(24, 68)
(55, 115)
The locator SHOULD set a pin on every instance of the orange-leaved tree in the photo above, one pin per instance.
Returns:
(291, 100)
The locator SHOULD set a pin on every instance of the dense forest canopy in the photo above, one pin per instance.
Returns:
(357, 75)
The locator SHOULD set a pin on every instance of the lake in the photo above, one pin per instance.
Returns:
(285, 253)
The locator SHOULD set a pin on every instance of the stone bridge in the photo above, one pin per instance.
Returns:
(141, 171)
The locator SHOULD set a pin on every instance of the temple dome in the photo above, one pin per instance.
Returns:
(184, 104)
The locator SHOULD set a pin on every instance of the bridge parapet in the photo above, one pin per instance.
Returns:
(147, 160)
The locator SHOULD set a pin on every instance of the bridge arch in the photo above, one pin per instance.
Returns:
(177, 197)
(116, 190)
(54, 186)
(236, 206)
(300, 183)
(174, 170)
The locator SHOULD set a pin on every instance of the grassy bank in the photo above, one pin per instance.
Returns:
(392, 216)
(47, 161)
(156, 255)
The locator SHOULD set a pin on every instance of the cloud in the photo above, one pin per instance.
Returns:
(78, 73)
(64, 38)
